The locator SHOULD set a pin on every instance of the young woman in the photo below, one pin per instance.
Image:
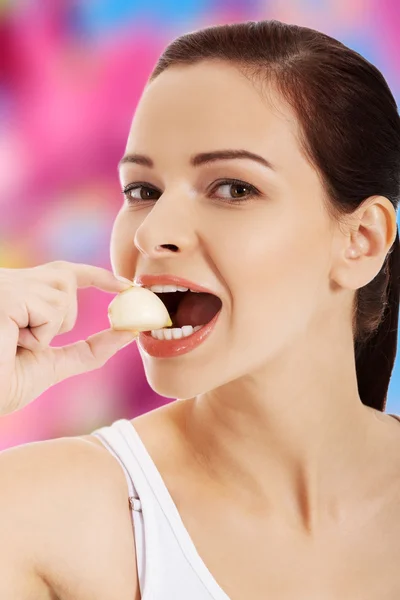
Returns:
(262, 173)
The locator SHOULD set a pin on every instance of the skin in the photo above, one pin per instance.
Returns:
(272, 428)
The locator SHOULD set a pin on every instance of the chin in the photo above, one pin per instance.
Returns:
(179, 381)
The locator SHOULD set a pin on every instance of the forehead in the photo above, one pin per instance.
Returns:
(211, 105)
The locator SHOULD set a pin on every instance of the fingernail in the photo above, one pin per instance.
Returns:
(124, 280)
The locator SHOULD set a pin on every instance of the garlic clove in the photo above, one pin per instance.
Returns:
(138, 309)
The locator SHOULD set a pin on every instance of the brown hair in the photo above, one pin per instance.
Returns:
(350, 130)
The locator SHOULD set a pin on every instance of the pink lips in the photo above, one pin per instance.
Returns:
(171, 348)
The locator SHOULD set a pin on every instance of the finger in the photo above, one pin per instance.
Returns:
(45, 322)
(71, 317)
(92, 276)
(36, 341)
(8, 343)
(64, 301)
(87, 355)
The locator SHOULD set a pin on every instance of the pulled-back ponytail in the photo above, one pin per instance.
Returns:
(376, 351)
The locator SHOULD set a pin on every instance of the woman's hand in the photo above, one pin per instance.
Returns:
(36, 304)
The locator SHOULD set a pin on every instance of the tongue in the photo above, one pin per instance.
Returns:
(196, 309)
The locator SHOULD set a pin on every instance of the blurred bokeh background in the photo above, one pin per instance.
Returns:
(71, 73)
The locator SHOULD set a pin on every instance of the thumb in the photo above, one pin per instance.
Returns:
(87, 355)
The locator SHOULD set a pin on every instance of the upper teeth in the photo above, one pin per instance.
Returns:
(163, 289)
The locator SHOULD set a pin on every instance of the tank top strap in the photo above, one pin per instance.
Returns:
(112, 438)
(104, 436)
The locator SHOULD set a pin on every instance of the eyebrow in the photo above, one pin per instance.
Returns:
(201, 159)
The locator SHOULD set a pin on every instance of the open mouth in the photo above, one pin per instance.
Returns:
(194, 311)
(189, 311)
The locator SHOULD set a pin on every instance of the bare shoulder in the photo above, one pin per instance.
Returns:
(65, 525)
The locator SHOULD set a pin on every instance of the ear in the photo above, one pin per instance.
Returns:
(365, 239)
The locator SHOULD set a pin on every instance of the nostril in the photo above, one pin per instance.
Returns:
(168, 247)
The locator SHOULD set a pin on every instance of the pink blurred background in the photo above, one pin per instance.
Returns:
(71, 73)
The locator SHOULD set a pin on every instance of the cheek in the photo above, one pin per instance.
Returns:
(123, 252)
(276, 278)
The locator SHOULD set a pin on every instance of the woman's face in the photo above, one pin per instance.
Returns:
(262, 245)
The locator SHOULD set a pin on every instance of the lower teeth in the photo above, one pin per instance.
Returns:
(174, 333)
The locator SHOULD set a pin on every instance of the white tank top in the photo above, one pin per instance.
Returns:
(168, 563)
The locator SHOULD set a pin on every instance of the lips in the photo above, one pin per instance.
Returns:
(165, 348)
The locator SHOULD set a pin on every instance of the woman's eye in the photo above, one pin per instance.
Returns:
(235, 190)
(137, 192)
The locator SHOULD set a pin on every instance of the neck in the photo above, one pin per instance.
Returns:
(293, 437)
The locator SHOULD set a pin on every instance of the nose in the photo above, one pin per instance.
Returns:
(168, 228)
